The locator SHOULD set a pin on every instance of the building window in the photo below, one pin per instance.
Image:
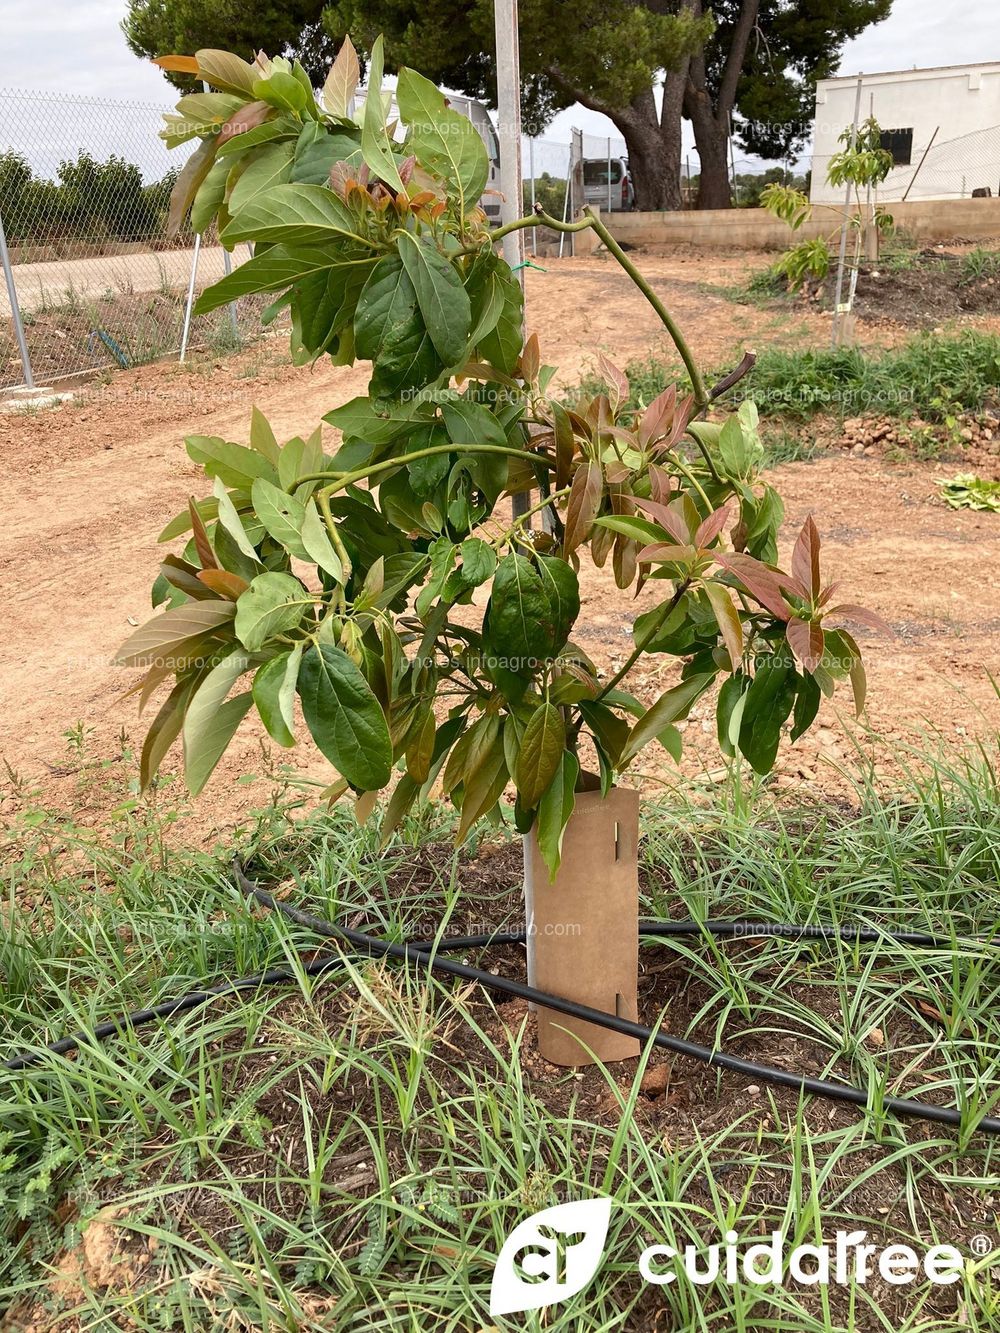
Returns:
(900, 145)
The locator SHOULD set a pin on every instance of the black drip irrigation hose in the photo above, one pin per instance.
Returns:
(427, 954)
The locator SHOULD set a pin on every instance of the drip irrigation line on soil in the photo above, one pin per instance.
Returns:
(428, 955)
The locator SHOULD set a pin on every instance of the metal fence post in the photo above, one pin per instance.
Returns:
(15, 309)
(227, 267)
(190, 296)
(923, 159)
(579, 198)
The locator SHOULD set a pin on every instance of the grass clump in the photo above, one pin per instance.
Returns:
(980, 264)
(931, 376)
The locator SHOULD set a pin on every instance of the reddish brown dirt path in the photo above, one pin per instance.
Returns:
(90, 484)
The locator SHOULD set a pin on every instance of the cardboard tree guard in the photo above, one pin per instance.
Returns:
(583, 928)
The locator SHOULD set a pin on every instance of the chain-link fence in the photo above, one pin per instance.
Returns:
(84, 190)
(562, 177)
(937, 167)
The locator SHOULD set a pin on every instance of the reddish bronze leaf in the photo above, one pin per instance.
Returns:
(760, 582)
(201, 541)
(805, 558)
(711, 527)
(668, 518)
(531, 360)
(583, 505)
(860, 614)
(247, 118)
(615, 379)
(658, 416)
(806, 640)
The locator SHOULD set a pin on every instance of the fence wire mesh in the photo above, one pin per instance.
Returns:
(84, 190)
(939, 168)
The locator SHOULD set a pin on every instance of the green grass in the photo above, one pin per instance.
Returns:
(350, 1152)
(932, 376)
(980, 263)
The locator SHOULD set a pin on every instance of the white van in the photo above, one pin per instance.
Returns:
(607, 183)
(477, 113)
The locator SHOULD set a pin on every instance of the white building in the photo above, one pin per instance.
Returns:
(942, 126)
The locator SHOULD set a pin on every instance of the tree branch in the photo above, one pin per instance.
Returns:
(745, 24)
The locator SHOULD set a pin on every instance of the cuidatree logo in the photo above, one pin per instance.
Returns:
(550, 1256)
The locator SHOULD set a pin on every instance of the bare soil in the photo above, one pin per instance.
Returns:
(932, 287)
(90, 484)
(937, 288)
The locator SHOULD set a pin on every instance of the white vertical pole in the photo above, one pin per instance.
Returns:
(610, 204)
(509, 109)
(578, 193)
(732, 164)
(185, 332)
(15, 310)
(566, 199)
(531, 168)
(509, 112)
(843, 230)
(227, 265)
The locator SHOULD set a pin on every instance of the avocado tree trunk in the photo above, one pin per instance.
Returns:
(583, 927)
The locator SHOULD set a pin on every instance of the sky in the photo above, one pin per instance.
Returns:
(76, 47)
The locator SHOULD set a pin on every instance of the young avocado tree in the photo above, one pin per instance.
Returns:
(427, 636)
(862, 163)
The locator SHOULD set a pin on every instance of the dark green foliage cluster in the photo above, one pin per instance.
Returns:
(89, 200)
(349, 582)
